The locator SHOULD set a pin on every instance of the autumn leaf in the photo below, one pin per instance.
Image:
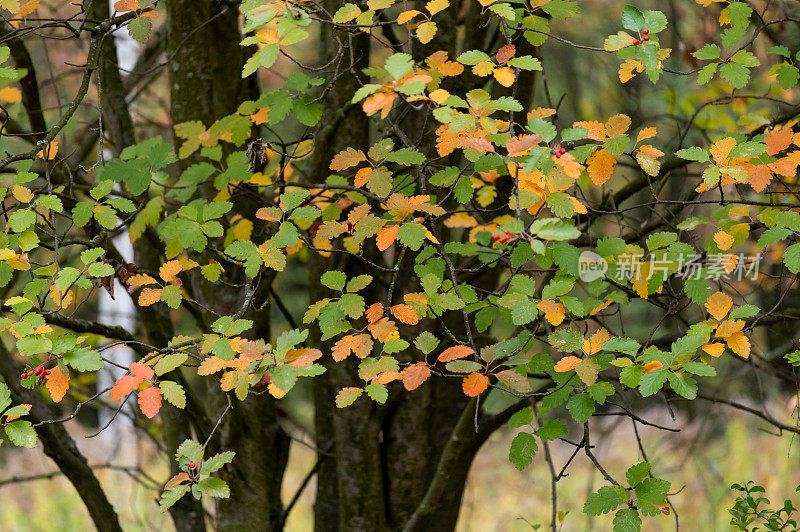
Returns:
(566, 364)
(505, 76)
(520, 145)
(723, 240)
(405, 314)
(593, 344)
(474, 384)
(714, 349)
(386, 236)
(718, 305)
(739, 344)
(125, 385)
(211, 365)
(358, 344)
(553, 311)
(721, 149)
(141, 371)
(505, 53)
(169, 270)
(455, 352)
(652, 366)
(347, 159)
(57, 384)
(600, 166)
(414, 375)
(778, 139)
(383, 329)
(150, 401)
(374, 312)
(617, 125)
(148, 296)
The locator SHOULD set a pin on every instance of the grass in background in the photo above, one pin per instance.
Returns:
(498, 497)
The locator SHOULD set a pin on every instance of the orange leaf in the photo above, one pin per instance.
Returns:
(553, 311)
(261, 117)
(150, 401)
(567, 364)
(718, 305)
(300, 358)
(405, 314)
(728, 328)
(600, 166)
(520, 145)
(474, 384)
(778, 140)
(386, 236)
(148, 296)
(124, 386)
(652, 366)
(593, 344)
(177, 479)
(383, 329)
(169, 270)
(386, 377)
(10, 94)
(455, 352)
(211, 365)
(57, 384)
(358, 344)
(142, 371)
(126, 5)
(28, 7)
(480, 144)
(414, 375)
(646, 133)
(505, 53)
(347, 159)
(374, 312)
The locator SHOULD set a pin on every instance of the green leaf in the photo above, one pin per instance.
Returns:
(169, 362)
(216, 462)
(552, 429)
(735, 74)
(791, 258)
(398, 65)
(172, 495)
(653, 381)
(683, 385)
(581, 407)
(21, 219)
(406, 156)
(214, 487)
(140, 28)
(21, 433)
(473, 57)
(347, 396)
(412, 234)
(173, 393)
(636, 473)
(562, 8)
(627, 520)
(706, 73)
(694, 154)
(523, 449)
(189, 450)
(334, 280)
(377, 392)
(632, 19)
(604, 500)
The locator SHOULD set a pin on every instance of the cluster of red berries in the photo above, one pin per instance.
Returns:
(645, 37)
(41, 371)
(502, 239)
(559, 152)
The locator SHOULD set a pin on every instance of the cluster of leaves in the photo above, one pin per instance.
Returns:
(752, 508)
(195, 475)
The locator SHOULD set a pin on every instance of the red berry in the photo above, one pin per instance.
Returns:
(192, 465)
(496, 237)
(23, 376)
(645, 31)
(646, 37)
(46, 372)
(562, 151)
(637, 42)
(507, 232)
(38, 371)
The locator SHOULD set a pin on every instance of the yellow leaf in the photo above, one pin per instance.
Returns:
(718, 305)
(593, 344)
(346, 159)
(617, 125)
(211, 365)
(22, 194)
(628, 69)
(728, 328)
(505, 76)
(714, 349)
(27, 8)
(721, 149)
(57, 384)
(405, 16)
(10, 94)
(553, 311)
(426, 32)
(375, 5)
(483, 69)
(739, 344)
(723, 240)
(652, 366)
(587, 370)
(460, 219)
(434, 6)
